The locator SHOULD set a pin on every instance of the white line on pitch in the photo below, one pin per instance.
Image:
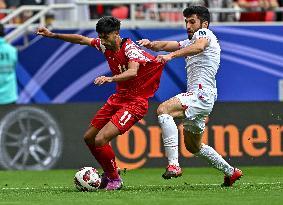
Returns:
(188, 184)
(149, 185)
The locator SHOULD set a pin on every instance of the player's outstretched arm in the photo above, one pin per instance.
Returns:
(129, 74)
(159, 45)
(72, 38)
(197, 47)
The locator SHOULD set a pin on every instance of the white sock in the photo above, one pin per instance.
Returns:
(170, 138)
(212, 157)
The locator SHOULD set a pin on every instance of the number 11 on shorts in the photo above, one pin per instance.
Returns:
(125, 118)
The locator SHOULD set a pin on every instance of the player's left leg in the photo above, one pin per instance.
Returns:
(121, 122)
(194, 145)
(103, 152)
(111, 179)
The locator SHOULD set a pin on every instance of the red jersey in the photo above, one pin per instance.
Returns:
(147, 80)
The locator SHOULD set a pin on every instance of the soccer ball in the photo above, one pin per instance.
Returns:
(87, 179)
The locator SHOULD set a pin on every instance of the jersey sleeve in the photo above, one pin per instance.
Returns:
(184, 43)
(96, 42)
(136, 54)
(202, 33)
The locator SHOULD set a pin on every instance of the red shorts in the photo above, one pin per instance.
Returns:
(121, 111)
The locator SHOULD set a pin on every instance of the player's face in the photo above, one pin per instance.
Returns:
(193, 24)
(110, 41)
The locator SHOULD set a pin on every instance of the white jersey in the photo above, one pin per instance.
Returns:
(202, 68)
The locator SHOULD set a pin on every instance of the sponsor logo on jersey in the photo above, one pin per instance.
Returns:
(202, 33)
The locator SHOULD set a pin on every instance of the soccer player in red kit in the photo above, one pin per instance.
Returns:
(137, 75)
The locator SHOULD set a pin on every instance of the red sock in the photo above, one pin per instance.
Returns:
(106, 158)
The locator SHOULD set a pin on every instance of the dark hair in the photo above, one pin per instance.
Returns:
(107, 24)
(201, 12)
(2, 32)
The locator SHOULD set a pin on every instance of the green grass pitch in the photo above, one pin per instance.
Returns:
(260, 185)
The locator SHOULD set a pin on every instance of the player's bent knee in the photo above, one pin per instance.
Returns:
(162, 109)
(100, 141)
(90, 135)
(88, 138)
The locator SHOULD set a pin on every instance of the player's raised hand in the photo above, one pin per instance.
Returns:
(163, 58)
(44, 32)
(145, 43)
(102, 79)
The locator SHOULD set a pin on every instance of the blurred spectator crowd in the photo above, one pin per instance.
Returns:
(257, 10)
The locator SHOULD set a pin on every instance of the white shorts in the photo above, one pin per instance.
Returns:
(197, 105)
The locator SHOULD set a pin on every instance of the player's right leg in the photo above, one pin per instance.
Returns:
(167, 111)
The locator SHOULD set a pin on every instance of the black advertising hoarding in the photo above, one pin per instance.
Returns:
(243, 133)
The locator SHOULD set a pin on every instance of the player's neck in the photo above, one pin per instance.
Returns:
(119, 44)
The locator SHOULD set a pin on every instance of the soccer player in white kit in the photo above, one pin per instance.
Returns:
(202, 55)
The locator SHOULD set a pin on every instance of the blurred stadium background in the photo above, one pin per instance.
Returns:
(57, 98)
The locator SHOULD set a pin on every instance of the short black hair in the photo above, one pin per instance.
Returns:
(201, 12)
(108, 24)
(2, 30)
